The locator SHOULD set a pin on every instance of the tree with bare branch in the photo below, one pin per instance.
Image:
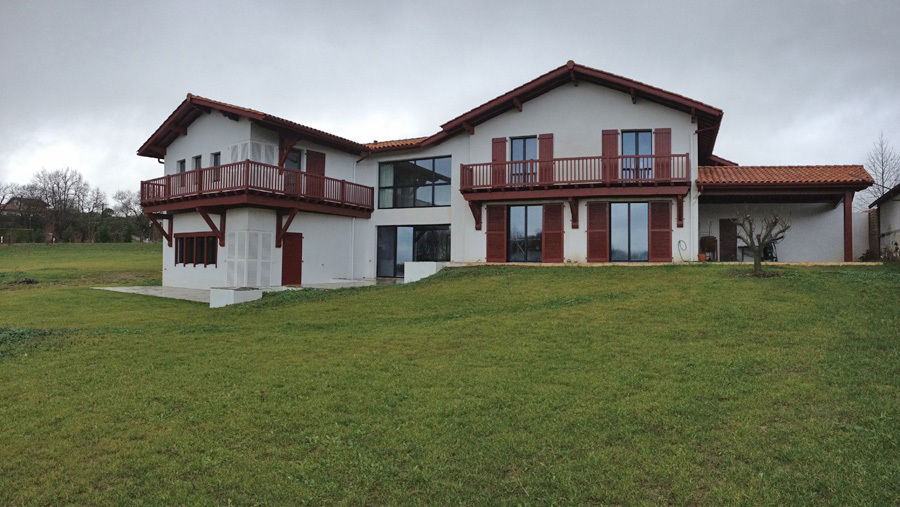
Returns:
(7, 192)
(883, 163)
(760, 233)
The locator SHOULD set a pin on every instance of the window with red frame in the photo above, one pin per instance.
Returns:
(196, 249)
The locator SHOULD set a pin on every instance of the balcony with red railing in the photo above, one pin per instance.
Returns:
(561, 173)
(255, 183)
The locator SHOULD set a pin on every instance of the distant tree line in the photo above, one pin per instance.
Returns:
(61, 206)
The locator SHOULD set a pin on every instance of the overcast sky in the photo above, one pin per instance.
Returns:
(83, 84)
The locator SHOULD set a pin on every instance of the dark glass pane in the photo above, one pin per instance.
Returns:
(386, 198)
(639, 231)
(201, 250)
(404, 248)
(442, 195)
(644, 144)
(179, 250)
(387, 243)
(516, 149)
(211, 249)
(426, 164)
(424, 196)
(293, 160)
(432, 243)
(628, 143)
(530, 148)
(618, 231)
(189, 250)
(404, 197)
(410, 174)
(533, 233)
(442, 168)
(516, 241)
(386, 175)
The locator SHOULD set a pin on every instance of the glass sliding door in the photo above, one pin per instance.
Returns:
(525, 233)
(638, 147)
(398, 244)
(628, 231)
(522, 149)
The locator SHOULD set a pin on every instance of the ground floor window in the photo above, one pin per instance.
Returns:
(628, 231)
(524, 233)
(398, 244)
(196, 249)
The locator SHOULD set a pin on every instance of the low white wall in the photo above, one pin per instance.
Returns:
(328, 247)
(816, 233)
(889, 220)
(415, 271)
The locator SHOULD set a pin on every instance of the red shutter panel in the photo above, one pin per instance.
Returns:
(552, 234)
(545, 155)
(598, 232)
(663, 146)
(315, 173)
(496, 234)
(498, 158)
(610, 154)
(660, 231)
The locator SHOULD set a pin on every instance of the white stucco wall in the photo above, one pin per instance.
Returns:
(889, 223)
(816, 233)
(208, 134)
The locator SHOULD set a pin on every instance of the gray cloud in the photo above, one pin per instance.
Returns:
(84, 84)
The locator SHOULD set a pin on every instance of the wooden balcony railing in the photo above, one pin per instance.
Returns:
(577, 171)
(258, 177)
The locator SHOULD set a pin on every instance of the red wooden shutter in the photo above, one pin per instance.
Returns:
(496, 234)
(315, 170)
(610, 152)
(662, 146)
(545, 155)
(552, 234)
(598, 232)
(660, 231)
(498, 158)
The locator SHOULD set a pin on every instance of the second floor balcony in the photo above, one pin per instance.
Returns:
(561, 173)
(256, 184)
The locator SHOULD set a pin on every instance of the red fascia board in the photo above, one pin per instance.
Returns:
(886, 196)
(794, 187)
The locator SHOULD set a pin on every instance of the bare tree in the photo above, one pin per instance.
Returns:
(7, 192)
(883, 163)
(759, 234)
(128, 205)
(92, 212)
(64, 191)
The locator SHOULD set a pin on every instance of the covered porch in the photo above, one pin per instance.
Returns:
(816, 200)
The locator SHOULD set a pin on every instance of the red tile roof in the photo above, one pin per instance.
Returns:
(851, 175)
(195, 105)
(397, 144)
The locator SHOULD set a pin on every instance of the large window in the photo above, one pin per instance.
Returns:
(179, 166)
(398, 244)
(524, 234)
(423, 182)
(628, 229)
(638, 145)
(523, 148)
(196, 249)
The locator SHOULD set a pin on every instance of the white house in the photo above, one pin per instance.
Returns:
(577, 165)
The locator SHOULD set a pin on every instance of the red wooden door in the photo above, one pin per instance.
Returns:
(291, 259)
(727, 240)
(496, 234)
(552, 234)
(598, 232)
(660, 231)
(315, 171)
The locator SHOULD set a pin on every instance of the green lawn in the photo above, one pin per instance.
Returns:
(484, 385)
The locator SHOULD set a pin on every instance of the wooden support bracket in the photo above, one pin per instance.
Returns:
(469, 128)
(633, 95)
(167, 232)
(218, 231)
(517, 103)
(475, 206)
(285, 143)
(281, 230)
(573, 209)
(680, 210)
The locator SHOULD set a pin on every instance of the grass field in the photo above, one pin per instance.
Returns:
(481, 385)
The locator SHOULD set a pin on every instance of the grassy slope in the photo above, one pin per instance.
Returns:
(615, 384)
